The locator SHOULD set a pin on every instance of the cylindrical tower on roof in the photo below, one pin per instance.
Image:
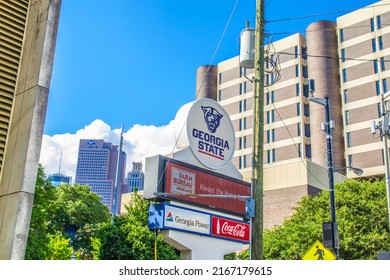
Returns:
(206, 82)
(323, 68)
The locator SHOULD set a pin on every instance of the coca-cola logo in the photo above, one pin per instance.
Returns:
(234, 230)
(230, 229)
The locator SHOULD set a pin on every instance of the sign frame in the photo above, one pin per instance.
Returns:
(225, 205)
(160, 223)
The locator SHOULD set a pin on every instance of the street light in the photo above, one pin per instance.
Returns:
(328, 126)
(384, 131)
(355, 170)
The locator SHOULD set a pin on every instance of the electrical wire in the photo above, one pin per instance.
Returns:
(334, 58)
(197, 93)
(296, 146)
(323, 14)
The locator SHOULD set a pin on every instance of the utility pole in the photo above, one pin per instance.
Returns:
(258, 137)
(384, 132)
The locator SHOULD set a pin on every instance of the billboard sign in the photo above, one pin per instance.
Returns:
(172, 217)
(231, 229)
(205, 188)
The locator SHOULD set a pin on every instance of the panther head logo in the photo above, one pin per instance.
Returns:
(212, 118)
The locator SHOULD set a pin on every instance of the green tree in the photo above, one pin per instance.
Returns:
(59, 248)
(80, 210)
(41, 215)
(361, 215)
(129, 238)
(57, 209)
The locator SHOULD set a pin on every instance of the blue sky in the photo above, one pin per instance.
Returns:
(134, 62)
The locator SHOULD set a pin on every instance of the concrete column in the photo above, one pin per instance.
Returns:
(323, 67)
(23, 146)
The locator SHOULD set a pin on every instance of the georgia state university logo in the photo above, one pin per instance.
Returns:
(212, 118)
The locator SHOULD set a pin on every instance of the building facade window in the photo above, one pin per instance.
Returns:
(378, 22)
(375, 66)
(383, 67)
(299, 150)
(305, 91)
(306, 110)
(377, 88)
(219, 95)
(297, 89)
(220, 78)
(347, 120)
(345, 78)
(343, 55)
(296, 70)
(308, 151)
(307, 130)
(380, 40)
(267, 98)
(296, 51)
(268, 117)
(273, 155)
(273, 136)
(372, 24)
(341, 32)
(350, 160)
(268, 156)
(305, 73)
(304, 53)
(345, 96)
(299, 129)
(384, 85)
(349, 139)
(373, 42)
(298, 109)
(379, 106)
(273, 116)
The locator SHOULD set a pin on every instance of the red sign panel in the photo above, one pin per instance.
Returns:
(204, 188)
(230, 229)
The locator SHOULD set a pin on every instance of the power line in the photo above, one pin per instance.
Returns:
(333, 57)
(324, 14)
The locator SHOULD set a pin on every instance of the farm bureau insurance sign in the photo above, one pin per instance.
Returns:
(210, 133)
(184, 180)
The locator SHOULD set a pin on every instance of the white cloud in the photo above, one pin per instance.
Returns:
(139, 141)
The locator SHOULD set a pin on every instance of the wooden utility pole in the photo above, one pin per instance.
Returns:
(258, 136)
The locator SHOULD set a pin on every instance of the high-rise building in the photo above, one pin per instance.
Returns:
(135, 178)
(97, 167)
(58, 179)
(28, 31)
(348, 61)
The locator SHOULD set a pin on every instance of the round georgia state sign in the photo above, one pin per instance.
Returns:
(210, 133)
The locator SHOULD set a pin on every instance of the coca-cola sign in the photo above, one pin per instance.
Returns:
(231, 229)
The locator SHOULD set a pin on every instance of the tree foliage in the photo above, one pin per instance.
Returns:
(361, 214)
(129, 238)
(41, 215)
(54, 210)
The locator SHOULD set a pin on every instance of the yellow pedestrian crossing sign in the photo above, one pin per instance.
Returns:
(319, 252)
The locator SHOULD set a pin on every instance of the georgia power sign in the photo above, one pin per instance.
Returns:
(208, 131)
